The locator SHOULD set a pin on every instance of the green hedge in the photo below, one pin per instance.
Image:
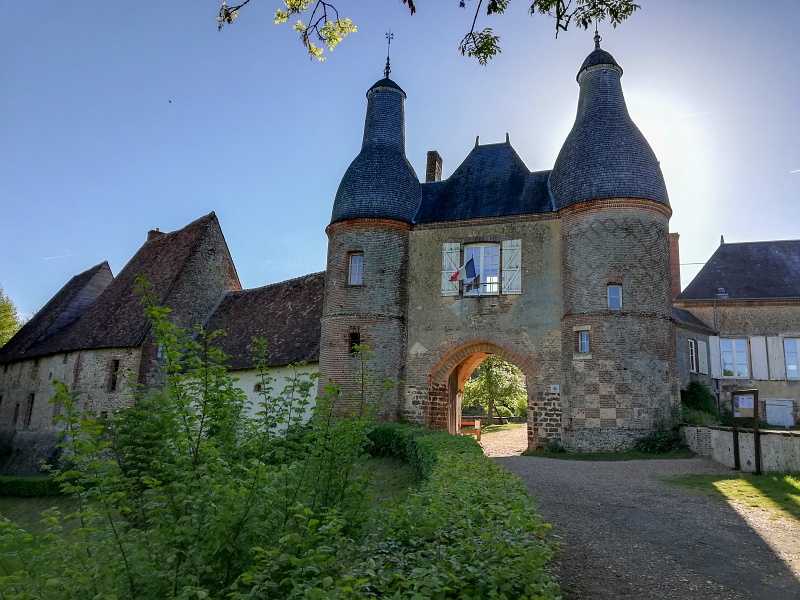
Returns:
(470, 531)
(29, 487)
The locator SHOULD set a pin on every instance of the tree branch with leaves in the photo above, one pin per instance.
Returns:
(325, 28)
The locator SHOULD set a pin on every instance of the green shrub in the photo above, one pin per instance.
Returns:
(692, 416)
(29, 487)
(698, 397)
(660, 442)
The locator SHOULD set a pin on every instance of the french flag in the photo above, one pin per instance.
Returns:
(466, 272)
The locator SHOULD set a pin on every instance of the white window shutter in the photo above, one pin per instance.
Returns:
(777, 364)
(715, 357)
(758, 357)
(512, 266)
(702, 355)
(451, 254)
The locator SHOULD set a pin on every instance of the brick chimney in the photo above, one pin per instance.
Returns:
(433, 168)
(674, 266)
(154, 233)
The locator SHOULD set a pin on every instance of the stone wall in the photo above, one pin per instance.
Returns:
(27, 429)
(456, 332)
(780, 450)
(626, 385)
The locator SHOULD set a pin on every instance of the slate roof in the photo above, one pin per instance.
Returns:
(605, 155)
(68, 305)
(380, 182)
(491, 182)
(749, 271)
(116, 317)
(684, 317)
(287, 314)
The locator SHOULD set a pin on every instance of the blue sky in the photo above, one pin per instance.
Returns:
(127, 118)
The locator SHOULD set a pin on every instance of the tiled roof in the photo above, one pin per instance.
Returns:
(69, 303)
(605, 155)
(491, 182)
(380, 182)
(748, 271)
(287, 314)
(116, 318)
(598, 57)
(684, 317)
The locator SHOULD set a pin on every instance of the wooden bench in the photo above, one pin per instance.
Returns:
(471, 427)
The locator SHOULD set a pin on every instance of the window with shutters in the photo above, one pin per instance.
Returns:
(702, 357)
(733, 353)
(791, 351)
(486, 269)
(692, 356)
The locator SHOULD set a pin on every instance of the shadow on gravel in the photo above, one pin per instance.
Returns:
(626, 534)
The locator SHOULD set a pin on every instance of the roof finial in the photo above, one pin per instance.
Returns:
(597, 38)
(388, 69)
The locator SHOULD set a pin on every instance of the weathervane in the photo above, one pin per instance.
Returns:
(388, 69)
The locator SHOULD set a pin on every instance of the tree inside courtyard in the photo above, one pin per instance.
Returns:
(497, 386)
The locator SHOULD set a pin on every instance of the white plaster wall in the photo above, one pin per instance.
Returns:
(248, 379)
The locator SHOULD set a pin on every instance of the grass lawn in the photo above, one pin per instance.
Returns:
(27, 512)
(506, 427)
(605, 456)
(777, 494)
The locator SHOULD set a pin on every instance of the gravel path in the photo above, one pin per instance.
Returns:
(626, 534)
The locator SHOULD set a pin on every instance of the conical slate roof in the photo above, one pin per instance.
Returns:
(605, 155)
(380, 182)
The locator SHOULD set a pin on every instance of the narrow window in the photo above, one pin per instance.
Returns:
(583, 341)
(355, 339)
(114, 369)
(356, 276)
(16, 413)
(160, 351)
(692, 356)
(615, 296)
(734, 358)
(30, 410)
(791, 347)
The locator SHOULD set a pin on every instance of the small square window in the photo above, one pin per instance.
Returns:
(583, 342)
(356, 276)
(160, 352)
(257, 388)
(615, 296)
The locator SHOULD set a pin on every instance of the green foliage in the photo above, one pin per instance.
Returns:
(326, 27)
(660, 442)
(697, 396)
(692, 416)
(497, 385)
(9, 319)
(185, 495)
(29, 487)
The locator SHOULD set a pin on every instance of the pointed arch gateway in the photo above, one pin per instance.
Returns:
(448, 376)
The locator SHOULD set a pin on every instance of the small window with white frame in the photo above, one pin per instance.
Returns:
(356, 273)
(791, 351)
(583, 342)
(734, 358)
(692, 356)
(614, 294)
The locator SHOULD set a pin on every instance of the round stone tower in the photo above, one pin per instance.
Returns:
(368, 237)
(618, 339)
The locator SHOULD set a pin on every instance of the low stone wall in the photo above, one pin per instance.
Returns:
(780, 450)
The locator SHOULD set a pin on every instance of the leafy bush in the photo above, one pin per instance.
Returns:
(697, 396)
(29, 487)
(692, 416)
(660, 442)
(184, 495)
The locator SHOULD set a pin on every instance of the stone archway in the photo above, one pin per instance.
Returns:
(447, 378)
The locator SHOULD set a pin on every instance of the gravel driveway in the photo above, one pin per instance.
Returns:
(626, 534)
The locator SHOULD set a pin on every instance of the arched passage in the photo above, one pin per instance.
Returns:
(447, 378)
